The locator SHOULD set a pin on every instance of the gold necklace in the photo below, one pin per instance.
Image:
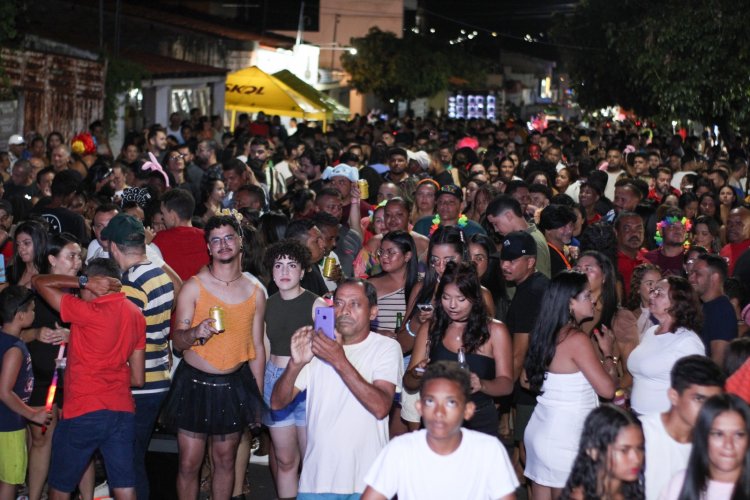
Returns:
(210, 271)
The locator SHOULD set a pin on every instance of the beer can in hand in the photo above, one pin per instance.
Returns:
(364, 189)
(216, 313)
(328, 267)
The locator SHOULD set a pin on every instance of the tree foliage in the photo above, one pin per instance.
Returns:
(396, 68)
(668, 59)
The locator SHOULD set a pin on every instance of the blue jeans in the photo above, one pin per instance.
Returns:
(76, 439)
(147, 408)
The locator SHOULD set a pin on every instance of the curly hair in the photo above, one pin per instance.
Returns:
(591, 468)
(633, 302)
(600, 237)
(289, 248)
(685, 307)
(464, 276)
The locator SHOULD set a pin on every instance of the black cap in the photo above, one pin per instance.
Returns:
(518, 244)
(451, 189)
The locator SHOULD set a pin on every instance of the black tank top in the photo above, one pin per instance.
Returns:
(483, 366)
(284, 317)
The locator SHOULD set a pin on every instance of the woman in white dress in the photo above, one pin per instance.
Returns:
(562, 364)
(676, 307)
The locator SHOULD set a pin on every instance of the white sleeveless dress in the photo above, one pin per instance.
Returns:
(554, 431)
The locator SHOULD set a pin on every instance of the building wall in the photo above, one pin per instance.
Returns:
(342, 20)
(59, 93)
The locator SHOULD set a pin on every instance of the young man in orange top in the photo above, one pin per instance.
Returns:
(217, 388)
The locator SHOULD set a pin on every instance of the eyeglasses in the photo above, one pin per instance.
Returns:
(391, 252)
(657, 292)
(435, 260)
(228, 240)
(177, 157)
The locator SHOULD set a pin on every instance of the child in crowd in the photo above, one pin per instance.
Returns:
(440, 461)
(16, 382)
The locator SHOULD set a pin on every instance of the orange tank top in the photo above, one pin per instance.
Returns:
(233, 346)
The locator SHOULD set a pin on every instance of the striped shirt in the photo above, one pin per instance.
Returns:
(150, 289)
(389, 306)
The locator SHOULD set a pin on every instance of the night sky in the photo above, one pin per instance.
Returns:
(513, 21)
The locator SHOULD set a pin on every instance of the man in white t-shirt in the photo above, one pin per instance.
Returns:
(668, 435)
(443, 460)
(350, 385)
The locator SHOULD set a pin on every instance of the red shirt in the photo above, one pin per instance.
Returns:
(625, 266)
(103, 334)
(184, 249)
(732, 251)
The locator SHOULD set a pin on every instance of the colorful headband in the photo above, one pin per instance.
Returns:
(371, 213)
(156, 167)
(139, 196)
(669, 221)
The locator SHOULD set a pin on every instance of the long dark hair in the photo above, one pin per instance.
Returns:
(698, 472)
(544, 336)
(405, 243)
(599, 433)
(444, 235)
(608, 295)
(493, 278)
(476, 333)
(55, 244)
(38, 233)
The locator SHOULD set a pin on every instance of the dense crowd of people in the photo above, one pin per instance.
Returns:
(420, 307)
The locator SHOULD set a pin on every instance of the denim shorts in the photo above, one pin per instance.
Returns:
(293, 413)
(76, 439)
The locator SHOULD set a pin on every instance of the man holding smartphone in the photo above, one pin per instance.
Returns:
(350, 385)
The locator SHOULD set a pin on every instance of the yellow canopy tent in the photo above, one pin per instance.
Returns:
(336, 110)
(251, 90)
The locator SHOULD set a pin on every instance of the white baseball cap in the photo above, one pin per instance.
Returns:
(16, 140)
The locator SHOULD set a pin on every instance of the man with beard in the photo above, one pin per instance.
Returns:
(630, 234)
(398, 163)
(668, 256)
(350, 383)
(216, 390)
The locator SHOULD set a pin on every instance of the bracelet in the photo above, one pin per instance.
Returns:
(408, 329)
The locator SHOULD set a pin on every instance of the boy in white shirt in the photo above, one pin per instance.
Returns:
(443, 460)
(668, 435)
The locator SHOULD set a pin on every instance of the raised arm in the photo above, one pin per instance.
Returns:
(284, 391)
(52, 286)
(376, 397)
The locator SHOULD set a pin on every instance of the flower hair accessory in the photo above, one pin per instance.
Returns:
(670, 221)
(462, 221)
(83, 144)
(156, 167)
(139, 196)
(230, 213)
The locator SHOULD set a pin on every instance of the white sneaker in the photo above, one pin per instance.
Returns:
(101, 492)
